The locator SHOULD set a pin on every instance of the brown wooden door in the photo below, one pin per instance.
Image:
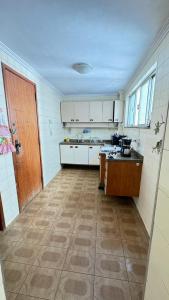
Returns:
(22, 113)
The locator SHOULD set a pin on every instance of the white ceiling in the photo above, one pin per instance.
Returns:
(112, 36)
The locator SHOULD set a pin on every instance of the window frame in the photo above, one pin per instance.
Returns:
(150, 75)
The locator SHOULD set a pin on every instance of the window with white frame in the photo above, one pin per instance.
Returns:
(140, 103)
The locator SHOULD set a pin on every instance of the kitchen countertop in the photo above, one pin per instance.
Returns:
(106, 149)
(135, 156)
(109, 148)
(85, 142)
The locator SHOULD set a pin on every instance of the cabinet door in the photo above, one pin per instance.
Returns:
(95, 111)
(67, 112)
(118, 111)
(123, 178)
(81, 155)
(94, 155)
(108, 111)
(67, 154)
(81, 111)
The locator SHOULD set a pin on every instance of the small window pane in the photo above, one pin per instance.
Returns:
(143, 103)
(150, 100)
(131, 110)
(137, 107)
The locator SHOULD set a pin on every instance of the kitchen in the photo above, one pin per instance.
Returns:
(84, 150)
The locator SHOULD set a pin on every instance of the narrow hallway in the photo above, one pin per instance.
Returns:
(72, 242)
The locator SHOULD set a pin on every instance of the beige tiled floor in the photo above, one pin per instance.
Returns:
(73, 243)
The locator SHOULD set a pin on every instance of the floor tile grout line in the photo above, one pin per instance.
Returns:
(96, 238)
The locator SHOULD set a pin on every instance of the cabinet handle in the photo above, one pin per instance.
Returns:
(77, 120)
(91, 120)
(110, 120)
(71, 146)
(72, 120)
(90, 147)
(76, 146)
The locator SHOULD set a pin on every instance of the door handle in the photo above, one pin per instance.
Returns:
(13, 129)
(17, 146)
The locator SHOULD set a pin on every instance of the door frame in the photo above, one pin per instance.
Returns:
(6, 67)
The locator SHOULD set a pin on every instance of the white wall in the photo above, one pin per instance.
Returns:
(101, 133)
(145, 202)
(157, 285)
(2, 292)
(51, 132)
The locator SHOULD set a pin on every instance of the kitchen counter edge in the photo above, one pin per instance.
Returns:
(135, 156)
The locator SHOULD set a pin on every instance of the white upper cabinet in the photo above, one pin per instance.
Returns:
(95, 111)
(118, 111)
(92, 112)
(67, 112)
(81, 111)
(108, 111)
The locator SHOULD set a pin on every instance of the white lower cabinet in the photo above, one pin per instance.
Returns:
(67, 154)
(94, 155)
(79, 154)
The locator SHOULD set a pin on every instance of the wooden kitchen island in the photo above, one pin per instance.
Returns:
(122, 176)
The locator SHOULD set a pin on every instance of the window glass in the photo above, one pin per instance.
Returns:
(151, 97)
(131, 109)
(140, 104)
(144, 93)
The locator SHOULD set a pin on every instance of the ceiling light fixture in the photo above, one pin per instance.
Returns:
(82, 68)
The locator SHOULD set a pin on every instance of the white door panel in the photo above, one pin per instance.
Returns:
(96, 111)
(164, 175)
(67, 154)
(108, 111)
(81, 111)
(94, 155)
(81, 155)
(67, 112)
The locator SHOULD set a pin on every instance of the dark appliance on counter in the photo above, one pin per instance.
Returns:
(116, 139)
(125, 144)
